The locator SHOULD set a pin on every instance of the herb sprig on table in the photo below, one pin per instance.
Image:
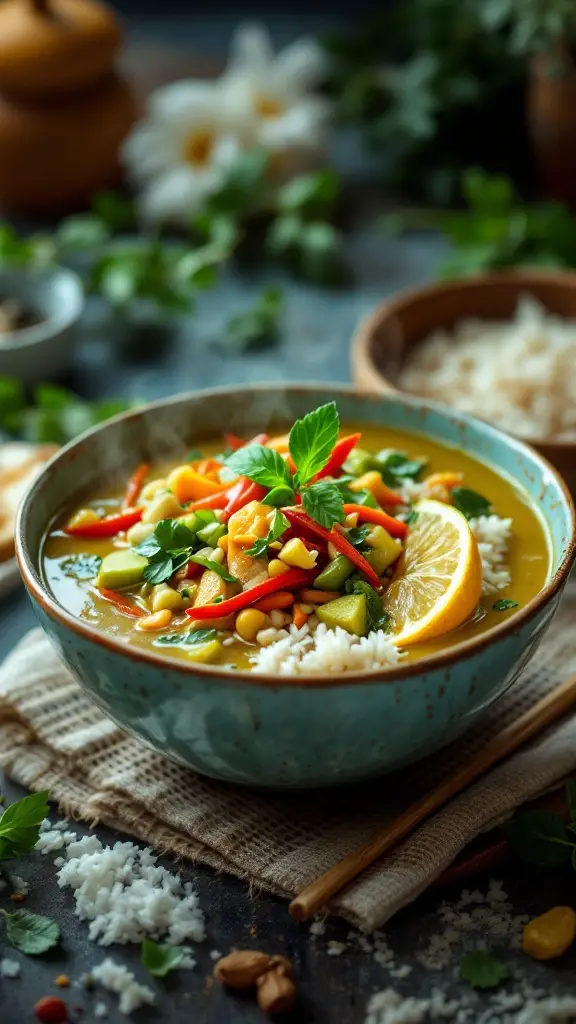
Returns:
(543, 838)
(20, 825)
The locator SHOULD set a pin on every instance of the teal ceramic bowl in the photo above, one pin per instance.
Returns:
(289, 732)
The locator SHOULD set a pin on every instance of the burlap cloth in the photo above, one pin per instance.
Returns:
(52, 737)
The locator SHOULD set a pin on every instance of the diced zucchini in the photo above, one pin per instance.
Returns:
(211, 533)
(360, 461)
(121, 569)
(385, 549)
(335, 574)
(203, 653)
(348, 612)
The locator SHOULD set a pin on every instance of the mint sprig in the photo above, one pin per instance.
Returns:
(311, 441)
(262, 465)
(31, 933)
(323, 503)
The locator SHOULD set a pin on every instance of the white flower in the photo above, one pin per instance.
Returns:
(183, 149)
(275, 93)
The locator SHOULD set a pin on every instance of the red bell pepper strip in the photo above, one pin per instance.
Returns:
(377, 515)
(218, 500)
(338, 540)
(134, 485)
(109, 526)
(235, 442)
(338, 456)
(291, 580)
(124, 606)
(243, 492)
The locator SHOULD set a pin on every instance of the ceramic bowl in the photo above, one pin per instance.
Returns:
(385, 338)
(42, 351)
(287, 732)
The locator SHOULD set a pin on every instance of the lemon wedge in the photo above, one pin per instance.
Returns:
(438, 581)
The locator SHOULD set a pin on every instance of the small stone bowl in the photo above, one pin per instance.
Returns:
(385, 338)
(40, 352)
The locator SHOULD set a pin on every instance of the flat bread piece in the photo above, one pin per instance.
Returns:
(20, 464)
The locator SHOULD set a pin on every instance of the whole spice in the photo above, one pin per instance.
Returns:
(276, 990)
(242, 968)
(51, 1010)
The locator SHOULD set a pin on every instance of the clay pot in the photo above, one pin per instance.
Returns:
(551, 109)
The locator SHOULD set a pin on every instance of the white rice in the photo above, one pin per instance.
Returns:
(117, 978)
(493, 535)
(517, 373)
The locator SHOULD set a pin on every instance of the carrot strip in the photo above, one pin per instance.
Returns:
(124, 606)
(292, 579)
(218, 500)
(340, 453)
(377, 515)
(109, 526)
(134, 485)
(283, 599)
(340, 542)
(299, 618)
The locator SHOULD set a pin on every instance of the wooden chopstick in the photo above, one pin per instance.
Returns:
(534, 721)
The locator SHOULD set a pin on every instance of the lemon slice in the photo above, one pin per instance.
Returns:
(438, 581)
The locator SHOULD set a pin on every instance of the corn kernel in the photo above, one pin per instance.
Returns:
(296, 553)
(150, 490)
(551, 934)
(164, 596)
(276, 567)
(159, 620)
(139, 532)
(351, 521)
(163, 506)
(249, 622)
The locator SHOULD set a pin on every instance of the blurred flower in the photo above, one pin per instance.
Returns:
(180, 153)
(275, 94)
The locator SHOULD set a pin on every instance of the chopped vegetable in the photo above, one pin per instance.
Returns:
(377, 515)
(334, 576)
(121, 569)
(135, 485)
(373, 482)
(51, 1010)
(551, 934)
(338, 456)
(109, 526)
(294, 578)
(283, 599)
(218, 500)
(348, 612)
(189, 485)
(242, 494)
(124, 606)
(336, 538)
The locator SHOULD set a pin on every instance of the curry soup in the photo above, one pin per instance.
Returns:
(385, 539)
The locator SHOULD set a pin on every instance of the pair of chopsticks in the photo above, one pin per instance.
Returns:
(534, 721)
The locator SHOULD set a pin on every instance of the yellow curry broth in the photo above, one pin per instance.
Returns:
(528, 560)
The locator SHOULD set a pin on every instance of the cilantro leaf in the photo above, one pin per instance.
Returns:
(159, 569)
(504, 605)
(160, 960)
(470, 503)
(323, 503)
(312, 439)
(20, 825)
(214, 567)
(377, 618)
(31, 933)
(81, 566)
(278, 526)
(262, 465)
(540, 838)
(172, 535)
(483, 970)
(196, 636)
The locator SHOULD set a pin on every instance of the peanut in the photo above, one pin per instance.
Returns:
(276, 991)
(242, 968)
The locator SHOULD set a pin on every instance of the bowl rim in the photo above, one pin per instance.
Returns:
(442, 659)
(361, 354)
(50, 327)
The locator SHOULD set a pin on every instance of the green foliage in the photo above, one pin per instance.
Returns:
(160, 960)
(31, 933)
(55, 414)
(470, 503)
(532, 25)
(257, 326)
(482, 970)
(323, 502)
(20, 825)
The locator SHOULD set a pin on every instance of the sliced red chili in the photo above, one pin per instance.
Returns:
(291, 580)
(377, 515)
(240, 494)
(218, 500)
(124, 606)
(339, 541)
(134, 485)
(109, 526)
(338, 456)
(234, 442)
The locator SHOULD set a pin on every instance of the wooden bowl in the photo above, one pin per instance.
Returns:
(384, 339)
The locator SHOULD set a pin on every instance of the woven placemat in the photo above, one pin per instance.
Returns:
(52, 737)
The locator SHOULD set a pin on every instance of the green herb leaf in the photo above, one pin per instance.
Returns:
(412, 518)
(257, 326)
(377, 617)
(82, 566)
(172, 535)
(241, 191)
(160, 960)
(278, 526)
(159, 570)
(310, 194)
(469, 503)
(196, 636)
(504, 605)
(397, 467)
(194, 455)
(539, 837)
(20, 825)
(364, 497)
(312, 439)
(214, 567)
(323, 503)
(263, 465)
(357, 536)
(483, 970)
(31, 933)
(280, 496)
(82, 231)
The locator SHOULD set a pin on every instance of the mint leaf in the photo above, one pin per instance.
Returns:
(263, 465)
(160, 960)
(82, 566)
(214, 567)
(540, 838)
(278, 526)
(504, 605)
(323, 503)
(483, 970)
(470, 503)
(20, 825)
(312, 439)
(31, 933)
(279, 496)
(376, 616)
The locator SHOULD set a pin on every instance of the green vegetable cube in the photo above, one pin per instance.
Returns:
(121, 569)
(350, 613)
(335, 574)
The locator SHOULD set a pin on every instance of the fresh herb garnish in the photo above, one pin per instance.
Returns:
(504, 605)
(160, 960)
(396, 467)
(81, 567)
(311, 441)
(168, 549)
(470, 503)
(258, 326)
(278, 526)
(194, 455)
(31, 933)
(323, 502)
(357, 536)
(195, 636)
(412, 518)
(262, 465)
(55, 414)
(364, 497)
(377, 618)
(541, 838)
(217, 567)
(20, 825)
(483, 970)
